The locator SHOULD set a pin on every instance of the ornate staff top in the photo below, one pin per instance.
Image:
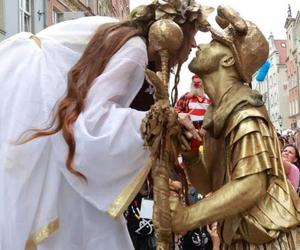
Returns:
(165, 36)
(179, 11)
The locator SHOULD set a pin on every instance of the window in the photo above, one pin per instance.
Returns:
(25, 15)
(57, 16)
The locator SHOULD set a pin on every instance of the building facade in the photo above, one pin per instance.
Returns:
(114, 8)
(274, 88)
(34, 15)
(2, 24)
(21, 16)
(120, 8)
(291, 63)
(105, 8)
(62, 10)
(297, 58)
(279, 105)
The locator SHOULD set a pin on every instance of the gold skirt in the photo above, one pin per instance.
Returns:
(286, 241)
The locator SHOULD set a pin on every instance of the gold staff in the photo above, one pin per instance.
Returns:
(160, 129)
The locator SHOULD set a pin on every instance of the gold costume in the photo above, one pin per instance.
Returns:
(241, 162)
(246, 144)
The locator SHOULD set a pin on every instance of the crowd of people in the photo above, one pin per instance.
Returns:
(290, 158)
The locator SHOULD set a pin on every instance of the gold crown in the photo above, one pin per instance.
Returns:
(180, 11)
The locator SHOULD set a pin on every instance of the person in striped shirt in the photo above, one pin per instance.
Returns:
(194, 103)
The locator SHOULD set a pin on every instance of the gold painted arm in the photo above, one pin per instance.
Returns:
(197, 172)
(233, 198)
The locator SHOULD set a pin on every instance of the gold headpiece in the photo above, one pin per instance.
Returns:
(180, 11)
(247, 43)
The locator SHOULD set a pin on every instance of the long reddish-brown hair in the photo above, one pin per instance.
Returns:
(107, 40)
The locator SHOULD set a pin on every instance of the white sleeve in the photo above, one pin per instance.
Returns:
(109, 147)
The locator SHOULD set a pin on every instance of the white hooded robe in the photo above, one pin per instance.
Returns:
(43, 206)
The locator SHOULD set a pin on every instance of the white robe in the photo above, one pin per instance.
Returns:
(35, 186)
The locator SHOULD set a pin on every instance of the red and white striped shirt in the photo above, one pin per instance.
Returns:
(195, 105)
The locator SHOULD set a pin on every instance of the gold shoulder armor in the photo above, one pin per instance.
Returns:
(247, 121)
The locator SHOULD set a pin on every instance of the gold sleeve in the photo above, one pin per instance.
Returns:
(252, 148)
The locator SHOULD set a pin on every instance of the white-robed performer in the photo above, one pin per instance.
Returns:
(66, 185)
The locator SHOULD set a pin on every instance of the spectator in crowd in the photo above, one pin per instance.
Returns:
(291, 163)
(141, 229)
(199, 238)
(297, 138)
(194, 103)
(214, 235)
(291, 139)
(282, 141)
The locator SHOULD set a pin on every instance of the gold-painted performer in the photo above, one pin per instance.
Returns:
(241, 164)
(71, 103)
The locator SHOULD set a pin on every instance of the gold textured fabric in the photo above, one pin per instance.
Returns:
(42, 234)
(247, 144)
(256, 151)
(285, 241)
(121, 203)
(36, 40)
